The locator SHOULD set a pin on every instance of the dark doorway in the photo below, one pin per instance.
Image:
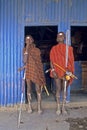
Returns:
(45, 38)
(79, 42)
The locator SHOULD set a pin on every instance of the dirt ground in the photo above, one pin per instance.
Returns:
(76, 118)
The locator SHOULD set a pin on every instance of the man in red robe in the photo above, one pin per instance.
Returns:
(58, 58)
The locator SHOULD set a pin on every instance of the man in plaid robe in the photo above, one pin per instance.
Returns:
(34, 70)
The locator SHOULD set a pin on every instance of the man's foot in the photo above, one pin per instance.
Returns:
(64, 111)
(29, 109)
(39, 111)
(58, 112)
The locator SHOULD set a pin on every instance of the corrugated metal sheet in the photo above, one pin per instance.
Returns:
(41, 12)
(79, 12)
(77, 83)
(14, 16)
(10, 51)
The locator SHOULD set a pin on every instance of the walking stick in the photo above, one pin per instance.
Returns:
(22, 95)
(46, 90)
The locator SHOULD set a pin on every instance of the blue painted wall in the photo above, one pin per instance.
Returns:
(14, 16)
(77, 83)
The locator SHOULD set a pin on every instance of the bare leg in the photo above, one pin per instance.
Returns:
(64, 97)
(58, 89)
(29, 95)
(38, 91)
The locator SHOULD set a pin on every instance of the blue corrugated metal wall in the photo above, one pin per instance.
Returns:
(77, 83)
(11, 43)
(78, 12)
(14, 15)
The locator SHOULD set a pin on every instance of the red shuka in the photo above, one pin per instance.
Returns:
(58, 56)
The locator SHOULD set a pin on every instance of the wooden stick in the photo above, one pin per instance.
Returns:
(72, 75)
(46, 90)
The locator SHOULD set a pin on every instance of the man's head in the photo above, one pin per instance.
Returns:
(60, 37)
(29, 39)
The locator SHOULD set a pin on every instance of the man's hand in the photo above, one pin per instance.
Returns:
(54, 74)
(22, 68)
(70, 74)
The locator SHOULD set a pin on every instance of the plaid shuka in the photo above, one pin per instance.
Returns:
(34, 67)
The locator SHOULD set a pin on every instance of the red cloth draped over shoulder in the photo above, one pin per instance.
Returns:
(58, 56)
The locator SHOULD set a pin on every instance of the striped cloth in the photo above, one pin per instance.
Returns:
(34, 67)
(58, 56)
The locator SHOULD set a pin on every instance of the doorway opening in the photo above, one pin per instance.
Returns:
(44, 38)
(79, 42)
